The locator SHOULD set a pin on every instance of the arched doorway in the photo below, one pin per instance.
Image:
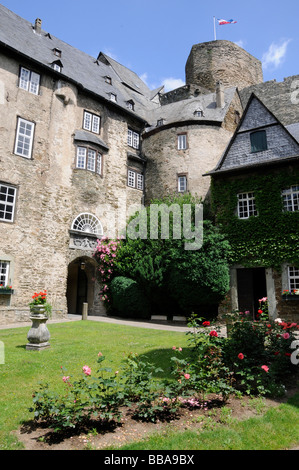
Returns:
(81, 285)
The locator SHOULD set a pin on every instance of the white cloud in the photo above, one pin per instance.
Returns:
(275, 54)
(172, 83)
(240, 43)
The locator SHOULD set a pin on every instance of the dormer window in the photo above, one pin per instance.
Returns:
(57, 65)
(130, 105)
(198, 113)
(160, 122)
(57, 52)
(113, 97)
(108, 80)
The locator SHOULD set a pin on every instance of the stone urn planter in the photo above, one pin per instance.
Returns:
(38, 336)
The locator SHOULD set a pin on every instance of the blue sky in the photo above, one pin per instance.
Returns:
(154, 38)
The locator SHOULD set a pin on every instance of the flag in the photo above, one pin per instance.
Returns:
(226, 21)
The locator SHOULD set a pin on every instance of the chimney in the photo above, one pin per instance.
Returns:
(219, 95)
(38, 26)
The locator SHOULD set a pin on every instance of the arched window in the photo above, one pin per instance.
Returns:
(88, 223)
(85, 230)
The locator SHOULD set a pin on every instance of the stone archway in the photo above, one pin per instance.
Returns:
(82, 286)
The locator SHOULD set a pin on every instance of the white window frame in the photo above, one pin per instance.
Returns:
(135, 179)
(89, 159)
(133, 139)
(182, 141)
(91, 122)
(29, 81)
(182, 183)
(24, 138)
(293, 278)
(7, 202)
(290, 199)
(246, 205)
(4, 273)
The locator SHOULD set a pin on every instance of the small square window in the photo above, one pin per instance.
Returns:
(258, 141)
(290, 198)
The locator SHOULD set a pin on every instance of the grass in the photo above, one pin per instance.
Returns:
(277, 429)
(74, 344)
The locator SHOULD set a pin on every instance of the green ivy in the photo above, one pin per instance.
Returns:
(272, 237)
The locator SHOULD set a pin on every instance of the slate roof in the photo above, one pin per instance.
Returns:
(18, 35)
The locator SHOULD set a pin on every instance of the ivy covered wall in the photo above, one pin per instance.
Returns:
(272, 237)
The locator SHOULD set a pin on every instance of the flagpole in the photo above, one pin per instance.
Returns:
(214, 30)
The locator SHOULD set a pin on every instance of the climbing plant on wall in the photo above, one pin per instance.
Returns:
(271, 237)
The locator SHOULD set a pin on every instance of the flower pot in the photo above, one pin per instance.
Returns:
(6, 291)
(290, 297)
(38, 336)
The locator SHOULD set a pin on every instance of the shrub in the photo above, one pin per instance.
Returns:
(127, 298)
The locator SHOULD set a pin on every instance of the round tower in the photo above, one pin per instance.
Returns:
(222, 61)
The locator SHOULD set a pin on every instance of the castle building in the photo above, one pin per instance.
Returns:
(84, 142)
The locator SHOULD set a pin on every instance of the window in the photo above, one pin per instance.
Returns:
(198, 113)
(91, 122)
(182, 141)
(246, 205)
(7, 202)
(57, 52)
(182, 183)
(130, 105)
(24, 138)
(258, 141)
(57, 66)
(89, 159)
(113, 97)
(290, 198)
(135, 179)
(29, 81)
(4, 272)
(133, 139)
(87, 223)
(293, 275)
(160, 122)
(108, 80)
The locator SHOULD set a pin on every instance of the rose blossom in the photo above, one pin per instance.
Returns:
(241, 356)
(86, 370)
(265, 368)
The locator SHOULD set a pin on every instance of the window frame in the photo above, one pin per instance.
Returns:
(87, 158)
(293, 278)
(8, 203)
(250, 201)
(291, 196)
(29, 84)
(136, 178)
(21, 120)
(183, 177)
(133, 139)
(4, 278)
(182, 141)
(92, 119)
(253, 149)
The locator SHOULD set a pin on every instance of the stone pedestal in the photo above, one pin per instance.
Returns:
(38, 335)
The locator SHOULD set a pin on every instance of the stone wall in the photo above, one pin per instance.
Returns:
(224, 61)
(51, 192)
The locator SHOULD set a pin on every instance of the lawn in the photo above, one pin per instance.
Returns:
(73, 345)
